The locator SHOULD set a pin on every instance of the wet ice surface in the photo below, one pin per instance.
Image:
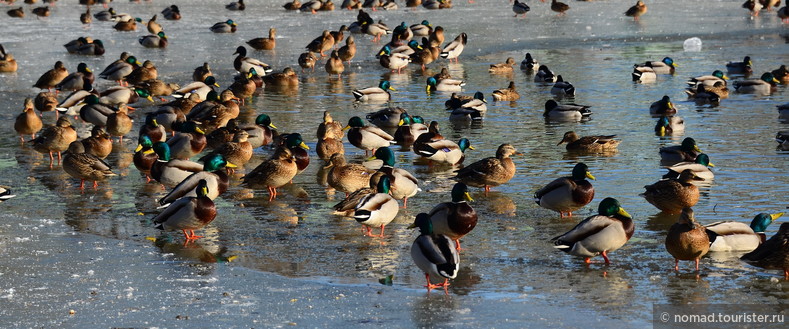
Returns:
(90, 253)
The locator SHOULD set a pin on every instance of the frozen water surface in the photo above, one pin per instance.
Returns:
(290, 262)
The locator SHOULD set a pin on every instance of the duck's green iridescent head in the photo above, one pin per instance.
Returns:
(133, 60)
(386, 155)
(354, 122)
(383, 185)
(464, 144)
(211, 81)
(405, 119)
(216, 162)
(413, 44)
(385, 51)
(704, 159)
(426, 23)
(769, 78)
(161, 35)
(662, 125)
(689, 145)
(138, 20)
(431, 83)
(479, 95)
(92, 99)
(385, 85)
(230, 22)
(423, 222)
(143, 143)
(82, 67)
(460, 193)
(144, 94)
(719, 74)
(162, 150)
(670, 62)
(610, 207)
(581, 172)
(294, 140)
(417, 119)
(264, 120)
(761, 221)
(188, 127)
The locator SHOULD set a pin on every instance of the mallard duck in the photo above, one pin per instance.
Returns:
(387, 117)
(5, 193)
(99, 144)
(117, 71)
(706, 95)
(285, 79)
(228, 26)
(158, 40)
(104, 15)
(423, 54)
(156, 87)
(51, 78)
(783, 14)
(636, 11)
(307, 60)
(188, 141)
(46, 102)
(237, 152)
(215, 111)
(213, 174)
(669, 125)
(311, 6)
(347, 177)
(409, 129)
(170, 172)
(456, 101)
(565, 112)
(153, 26)
(673, 194)
(404, 184)
(562, 88)
(520, 8)
(351, 4)
(643, 74)
(687, 151)
(147, 71)
(374, 94)
(393, 61)
(377, 210)
(781, 74)
(117, 95)
(738, 236)
(687, 239)
(457, 218)
(17, 13)
(567, 194)
(339, 35)
(700, 168)
(127, 25)
(422, 29)
(489, 172)
(377, 30)
(348, 51)
(27, 122)
(243, 86)
(744, 67)
(448, 85)
(236, 5)
(765, 85)
(433, 253)
(664, 106)
(293, 5)
(242, 63)
(502, 68)
(274, 172)
(367, 138)
(223, 135)
(171, 13)
(153, 129)
(506, 94)
(7, 61)
(298, 149)
(144, 156)
(453, 49)
(201, 72)
(265, 43)
(599, 234)
(95, 47)
(260, 132)
(773, 253)
(323, 43)
(55, 138)
(188, 213)
(410, 3)
(334, 65)
(200, 88)
(84, 166)
(590, 144)
(544, 74)
(329, 124)
(329, 144)
(77, 80)
(709, 80)
(665, 66)
(529, 63)
(559, 7)
(442, 151)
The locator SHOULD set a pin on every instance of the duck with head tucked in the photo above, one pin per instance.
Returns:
(599, 234)
(566, 112)
(673, 194)
(567, 194)
(273, 173)
(347, 177)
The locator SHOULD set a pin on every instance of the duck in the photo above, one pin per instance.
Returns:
(242, 63)
(783, 14)
(228, 26)
(567, 194)
(387, 117)
(637, 10)
(738, 236)
(404, 184)
(334, 65)
(213, 174)
(562, 88)
(422, 29)
(307, 60)
(706, 95)
(104, 15)
(99, 144)
(153, 129)
(261, 132)
(709, 80)
(74, 45)
(673, 194)
(321, 44)
(7, 62)
(77, 80)
(520, 8)
(565, 112)
(700, 167)
(202, 72)
(423, 54)
(158, 40)
(454, 219)
(347, 177)
(236, 5)
(188, 214)
(559, 7)
(643, 74)
(442, 151)
(409, 129)
(476, 102)
(377, 210)
(265, 43)
(489, 172)
(243, 86)
(274, 172)
(377, 30)
(285, 79)
(156, 87)
(171, 172)
(16, 13)
(367, 138)
(236, 152)
(339, 35)
(85, 166)
(55, 138)
(502, 68)
(437, 37)
(200, 88)
(544, 74)
(51, 78)
(222, 135)
(117, 95)
(27, 122)
(311, 6)
(329, 144)
(687, 239)
(329, 124)
(589, 144)
(348, 51)
(745, 67)
(665, 66)
(765, 85)
(153, 26)
(434, 254)
(293, 5)
(669, 125)
(188, 141)
(127, 25)
(773, 253)
(529, 64)
(117, 71)
(393, 61)
(374, 94)
(506, 94)
(295, 143)
(664, 106)
(599, 234)
(453, 49)
(46, 102)
(687, 151)
(5, 193)
(448, 85)
(93, 48)
(144, 156)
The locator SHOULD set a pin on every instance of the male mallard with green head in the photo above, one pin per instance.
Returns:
(600, 234)
(567, 194)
